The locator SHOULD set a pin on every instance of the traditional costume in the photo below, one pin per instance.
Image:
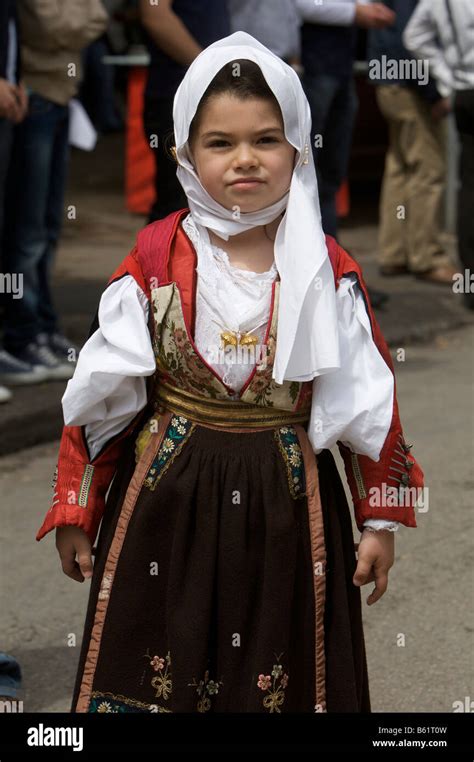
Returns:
(223, 572)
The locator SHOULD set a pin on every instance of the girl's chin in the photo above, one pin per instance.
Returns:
(238, 209)
(244, 206)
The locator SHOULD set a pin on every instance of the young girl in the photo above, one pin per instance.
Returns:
(233, 347)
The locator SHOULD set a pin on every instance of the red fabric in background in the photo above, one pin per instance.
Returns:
(139, 162)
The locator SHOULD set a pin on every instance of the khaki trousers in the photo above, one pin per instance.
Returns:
(414, 181)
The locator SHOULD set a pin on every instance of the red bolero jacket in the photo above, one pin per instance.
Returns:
(163, 254)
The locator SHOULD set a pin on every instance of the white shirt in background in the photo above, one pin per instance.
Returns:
(445, 40)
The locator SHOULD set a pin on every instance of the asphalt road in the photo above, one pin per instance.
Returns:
(429, 600)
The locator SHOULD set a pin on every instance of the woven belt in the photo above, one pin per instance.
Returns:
(225, 413)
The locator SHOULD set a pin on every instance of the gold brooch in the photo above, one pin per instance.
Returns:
(232, 338)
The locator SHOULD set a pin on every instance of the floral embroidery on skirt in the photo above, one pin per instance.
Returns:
(206, 689)
(162, 683)
(111, 703)
(275, 689)
(178, 431)
(287, 441)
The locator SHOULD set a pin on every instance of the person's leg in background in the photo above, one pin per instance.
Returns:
(6, 137)
(413, 188)
(464, 112)
(28, 246)
(333, 156)
(54, 215)
(158, 123)
(6, 140)
(333, 103)
(332, 117)
(97, 91)
(393, 247)
(425, 151)
(13, 372)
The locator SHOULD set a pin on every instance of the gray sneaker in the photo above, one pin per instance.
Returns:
(16, 372)
(43, 360)
(62, 348)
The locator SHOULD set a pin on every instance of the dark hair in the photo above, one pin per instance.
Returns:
(241, 78)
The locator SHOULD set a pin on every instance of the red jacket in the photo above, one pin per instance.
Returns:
(164, 254)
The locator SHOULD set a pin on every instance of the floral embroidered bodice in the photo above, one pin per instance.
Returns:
(180, 363)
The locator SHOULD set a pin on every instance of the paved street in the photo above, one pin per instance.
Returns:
(430, 593)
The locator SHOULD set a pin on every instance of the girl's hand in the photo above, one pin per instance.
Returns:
(375, 557)
(71, 540)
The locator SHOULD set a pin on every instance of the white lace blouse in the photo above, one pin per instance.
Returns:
(108, 387)
(228, 299)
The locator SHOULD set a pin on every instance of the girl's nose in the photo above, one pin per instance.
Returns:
(245, 157)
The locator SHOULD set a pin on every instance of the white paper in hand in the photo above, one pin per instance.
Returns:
(81, 130)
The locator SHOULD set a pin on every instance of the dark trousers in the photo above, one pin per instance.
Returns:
(158, 122)
(464, 111)
(6, 136)
(333, 103)
(97, 87)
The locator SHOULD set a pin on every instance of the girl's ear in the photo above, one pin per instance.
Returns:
(191, 157)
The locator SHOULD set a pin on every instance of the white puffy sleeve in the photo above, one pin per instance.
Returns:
(355, 402)
(108, 387)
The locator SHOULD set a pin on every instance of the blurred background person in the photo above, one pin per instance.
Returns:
(274, 23)
(442, 32)
(176, 32)
(97, 91)
(415, 169)
(52, 35)
(328, 49)
(328, 39)
(13, 106)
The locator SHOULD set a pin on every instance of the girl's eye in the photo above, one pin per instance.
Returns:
(220, 143)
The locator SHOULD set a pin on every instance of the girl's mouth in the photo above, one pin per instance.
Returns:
(246, 184)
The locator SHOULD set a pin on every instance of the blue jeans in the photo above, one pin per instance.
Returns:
(6, 136)
(33, 217)
(10, 675)
(333, 103)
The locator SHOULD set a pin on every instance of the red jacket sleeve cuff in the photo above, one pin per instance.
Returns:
(390, 488)
(80, 485)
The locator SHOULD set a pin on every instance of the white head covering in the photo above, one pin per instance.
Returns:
(307, 341)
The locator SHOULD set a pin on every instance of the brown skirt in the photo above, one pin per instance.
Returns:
(223, 580)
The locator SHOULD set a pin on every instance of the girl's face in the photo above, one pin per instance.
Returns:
(241, 154)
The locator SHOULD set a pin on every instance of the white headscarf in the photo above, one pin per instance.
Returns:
(307, 341)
